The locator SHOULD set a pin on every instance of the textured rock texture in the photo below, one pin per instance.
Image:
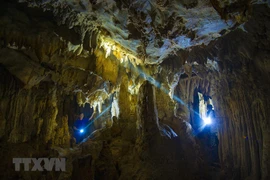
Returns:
(149, 30)
(242, 96)
(140, 65)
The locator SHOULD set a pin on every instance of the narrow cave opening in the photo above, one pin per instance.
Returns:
(205, 126)
(83, 124)
(92, 115)
(202, 105)
(87, 110)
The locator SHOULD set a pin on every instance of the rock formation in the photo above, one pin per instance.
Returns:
(148, 69)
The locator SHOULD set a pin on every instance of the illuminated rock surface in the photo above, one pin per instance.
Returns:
(140, 65)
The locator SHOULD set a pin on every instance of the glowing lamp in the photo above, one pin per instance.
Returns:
(207, 120)
(81, 131)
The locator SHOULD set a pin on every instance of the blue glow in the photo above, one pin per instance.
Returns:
(179, 100)
(207, 120)
(100, 114)
(81, 131)
(158, 85)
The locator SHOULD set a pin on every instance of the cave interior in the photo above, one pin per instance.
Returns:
(178, 89)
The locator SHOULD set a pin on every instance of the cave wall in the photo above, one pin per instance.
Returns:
(41, 72)
(234, 72)
(45, 75)
(156, 152)
(32, 121)
(244, 131)
(28, 114)
(242, 102)
(239, 87)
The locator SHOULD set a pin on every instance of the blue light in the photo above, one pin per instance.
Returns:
(207, 120)
(100, 114)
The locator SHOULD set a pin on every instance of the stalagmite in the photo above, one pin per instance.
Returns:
(147, 111)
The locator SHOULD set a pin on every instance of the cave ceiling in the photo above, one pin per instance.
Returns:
(148, 31)
(81, 45)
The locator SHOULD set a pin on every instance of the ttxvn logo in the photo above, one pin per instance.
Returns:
(39, 164)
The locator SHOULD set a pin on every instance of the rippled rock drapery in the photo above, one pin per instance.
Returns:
(31, 114)
(239, 86)
(30, 120)
(38, 91)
